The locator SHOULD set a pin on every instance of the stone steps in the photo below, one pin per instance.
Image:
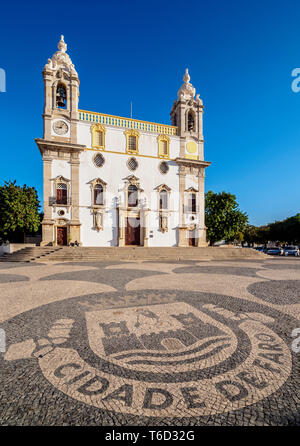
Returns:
(106, 254)
(29, 254)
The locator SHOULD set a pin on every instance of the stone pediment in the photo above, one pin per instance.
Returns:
(60, 178)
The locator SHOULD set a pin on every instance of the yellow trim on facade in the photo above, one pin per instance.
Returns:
(136, 135)
(191, 147)
(191, 157)
(127, 123)
(160, 140)
(127, 153)
(98, 128)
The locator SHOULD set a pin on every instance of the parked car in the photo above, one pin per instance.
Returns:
(291, 251)
(275, 251)
(260, 248)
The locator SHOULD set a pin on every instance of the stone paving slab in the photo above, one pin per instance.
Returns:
(150, 343)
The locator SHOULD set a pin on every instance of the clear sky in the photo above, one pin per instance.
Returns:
(240, 55)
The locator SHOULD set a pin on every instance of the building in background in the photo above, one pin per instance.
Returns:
(113, 181)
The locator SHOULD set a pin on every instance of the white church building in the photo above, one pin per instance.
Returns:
(115, 181)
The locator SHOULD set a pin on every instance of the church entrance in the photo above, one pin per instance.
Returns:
(192, 238)
(62, 236)
(132, 232)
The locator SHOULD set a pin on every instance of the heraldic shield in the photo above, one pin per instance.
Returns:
(168, 337)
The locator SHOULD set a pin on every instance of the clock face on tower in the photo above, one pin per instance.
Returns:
(60, 127)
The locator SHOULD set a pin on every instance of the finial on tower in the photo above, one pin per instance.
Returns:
(61, 59)
(186, 91)
(186, 77)
(62, 46)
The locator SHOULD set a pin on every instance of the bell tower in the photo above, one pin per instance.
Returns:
(59, 142)
(61, 97)
(187, 115)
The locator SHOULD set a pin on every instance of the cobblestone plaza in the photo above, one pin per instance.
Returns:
(151, 343)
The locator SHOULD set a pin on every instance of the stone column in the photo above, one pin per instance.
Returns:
(75, 221)
(145, 226)
(73, 104)
(121, 229)
(47, 223)
(201, 214)
(48, 106)
(182, 232)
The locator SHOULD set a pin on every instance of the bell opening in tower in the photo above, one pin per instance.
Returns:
(61, 96)
(191, 122)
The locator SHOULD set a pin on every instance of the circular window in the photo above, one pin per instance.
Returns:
(163, 167)
(132, 164)
(61, 212)
(98, 160)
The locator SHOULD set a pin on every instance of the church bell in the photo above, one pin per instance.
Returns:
(61, 97)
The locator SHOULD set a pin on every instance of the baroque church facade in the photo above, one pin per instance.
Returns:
(116, 181)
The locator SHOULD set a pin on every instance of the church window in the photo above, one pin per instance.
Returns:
(163, 146)
(132, 143)
(163, 167)
(98, 194)
(163, 199)
(98, 136)
(98, 191)
(98, 160)
(132, 138)
(132, 164)
(192, 203)
(61, 193)
(132, 196)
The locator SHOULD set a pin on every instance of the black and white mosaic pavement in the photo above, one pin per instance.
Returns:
(148, 343)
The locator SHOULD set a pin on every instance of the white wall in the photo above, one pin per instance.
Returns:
(113, 172)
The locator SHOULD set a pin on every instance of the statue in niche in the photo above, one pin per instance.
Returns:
(98, 220)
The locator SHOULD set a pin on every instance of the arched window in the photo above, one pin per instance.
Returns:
(61, 193)
(61, 96)
(98, 136)
(163, 199)
(132, 196)
(98, 194)
(192, 203)
(163, 146)
(191, 121)
(132, 143)
(132, 137)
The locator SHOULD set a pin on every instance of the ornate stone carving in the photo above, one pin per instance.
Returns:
(98, 215)
(163, 221)
(61, 59)
(186, 91)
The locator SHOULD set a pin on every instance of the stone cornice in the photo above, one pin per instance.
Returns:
(59, 146)
(192, 163)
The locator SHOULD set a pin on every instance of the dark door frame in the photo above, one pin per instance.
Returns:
(132, 233)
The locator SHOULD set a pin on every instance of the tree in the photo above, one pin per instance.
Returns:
(286, 231)
(223, 218)
(18, 211)
(250, 234)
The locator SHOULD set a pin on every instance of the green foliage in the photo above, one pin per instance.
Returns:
(285, 231)
(223, 218)
(18, 211)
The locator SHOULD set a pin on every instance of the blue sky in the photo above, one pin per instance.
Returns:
(240, 55)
